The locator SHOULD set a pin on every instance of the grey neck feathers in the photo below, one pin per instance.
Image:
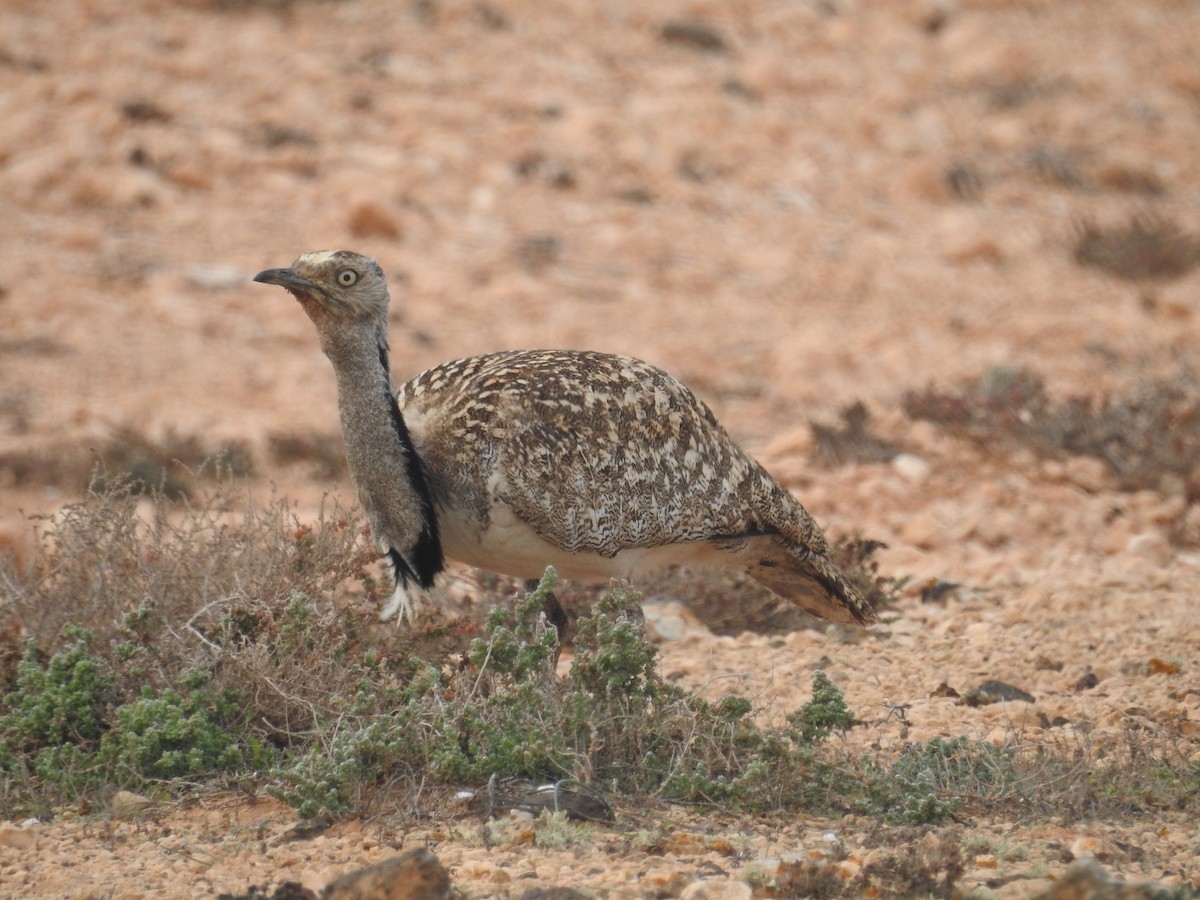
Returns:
(388, 474)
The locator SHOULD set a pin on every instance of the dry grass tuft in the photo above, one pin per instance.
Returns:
(169, 466)
(850, 441)
(1149, 438)
(1143, 249)
(325, 451)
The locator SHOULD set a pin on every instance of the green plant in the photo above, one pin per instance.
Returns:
(929, 782)
(62, 701)
(554, 831)
(202, 645)
(825, 713)
(612, 722)
(172, 735)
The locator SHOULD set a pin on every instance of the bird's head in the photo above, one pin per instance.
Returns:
(335, 287)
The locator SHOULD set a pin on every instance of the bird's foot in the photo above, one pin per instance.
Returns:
(400, 602)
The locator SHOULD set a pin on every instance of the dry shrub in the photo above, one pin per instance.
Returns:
(169, 466)
(1149, 438)
(325, 451)
(1143, 249)
(851, 441)
(232, 587)
(926, 864)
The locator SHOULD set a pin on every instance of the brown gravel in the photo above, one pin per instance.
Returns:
(790, 206)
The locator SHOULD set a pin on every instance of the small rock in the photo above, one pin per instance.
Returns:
(140, 110)
(17, 838)
(667, 620)
(304, 830)
(1087, 845)
(717, 890)
(912, 468)
(1086, 473)
(848, 869)
(1086, 879)
(127, 804)
(923, 529)
(1150, 546)
(368, 219)
(694, 35)
(937, 589)
(413, 875)
(216, 277)
(553, 893)
(995, 692)
(974, 247)
(999, 736)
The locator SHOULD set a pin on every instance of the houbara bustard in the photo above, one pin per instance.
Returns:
(600, 465)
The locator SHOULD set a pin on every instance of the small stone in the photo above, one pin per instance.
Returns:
(693, 35)
(1087, 845)
(848, 869)
(368, 219)
(127, 804)
(1086, 682)
(717, 890)
(216, 277)
(999, 737)
(912, 468)
(994, 691)
(1150, 546)
(974, 247)
(922, 529)
(1087, 878)
(668, 620)
(17, 838)
(1086, 473)
(413, 875)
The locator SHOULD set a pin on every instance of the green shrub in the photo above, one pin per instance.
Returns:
(825, 713)
(612, 722)
(170, 735)
(63, 701)
(195, 647)
(929, 782)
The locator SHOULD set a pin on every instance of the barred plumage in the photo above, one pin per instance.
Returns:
(600, 465)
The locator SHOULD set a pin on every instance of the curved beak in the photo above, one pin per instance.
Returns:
(286, 278)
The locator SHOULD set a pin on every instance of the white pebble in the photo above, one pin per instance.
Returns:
(911, 467)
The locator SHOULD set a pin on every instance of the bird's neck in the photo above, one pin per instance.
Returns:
(387, 471)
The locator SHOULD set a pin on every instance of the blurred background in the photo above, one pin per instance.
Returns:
(792, 206)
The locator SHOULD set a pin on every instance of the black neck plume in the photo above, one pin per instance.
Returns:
(424, 559)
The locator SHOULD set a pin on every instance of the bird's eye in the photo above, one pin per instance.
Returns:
(347, 277)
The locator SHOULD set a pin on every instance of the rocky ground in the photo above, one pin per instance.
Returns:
(791, 206)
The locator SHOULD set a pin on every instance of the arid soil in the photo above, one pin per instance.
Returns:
(791, 206)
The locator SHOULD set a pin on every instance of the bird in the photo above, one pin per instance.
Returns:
(600, 465)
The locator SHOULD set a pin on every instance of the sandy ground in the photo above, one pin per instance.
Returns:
(841, 201)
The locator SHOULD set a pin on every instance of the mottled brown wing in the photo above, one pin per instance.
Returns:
(612, 453)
